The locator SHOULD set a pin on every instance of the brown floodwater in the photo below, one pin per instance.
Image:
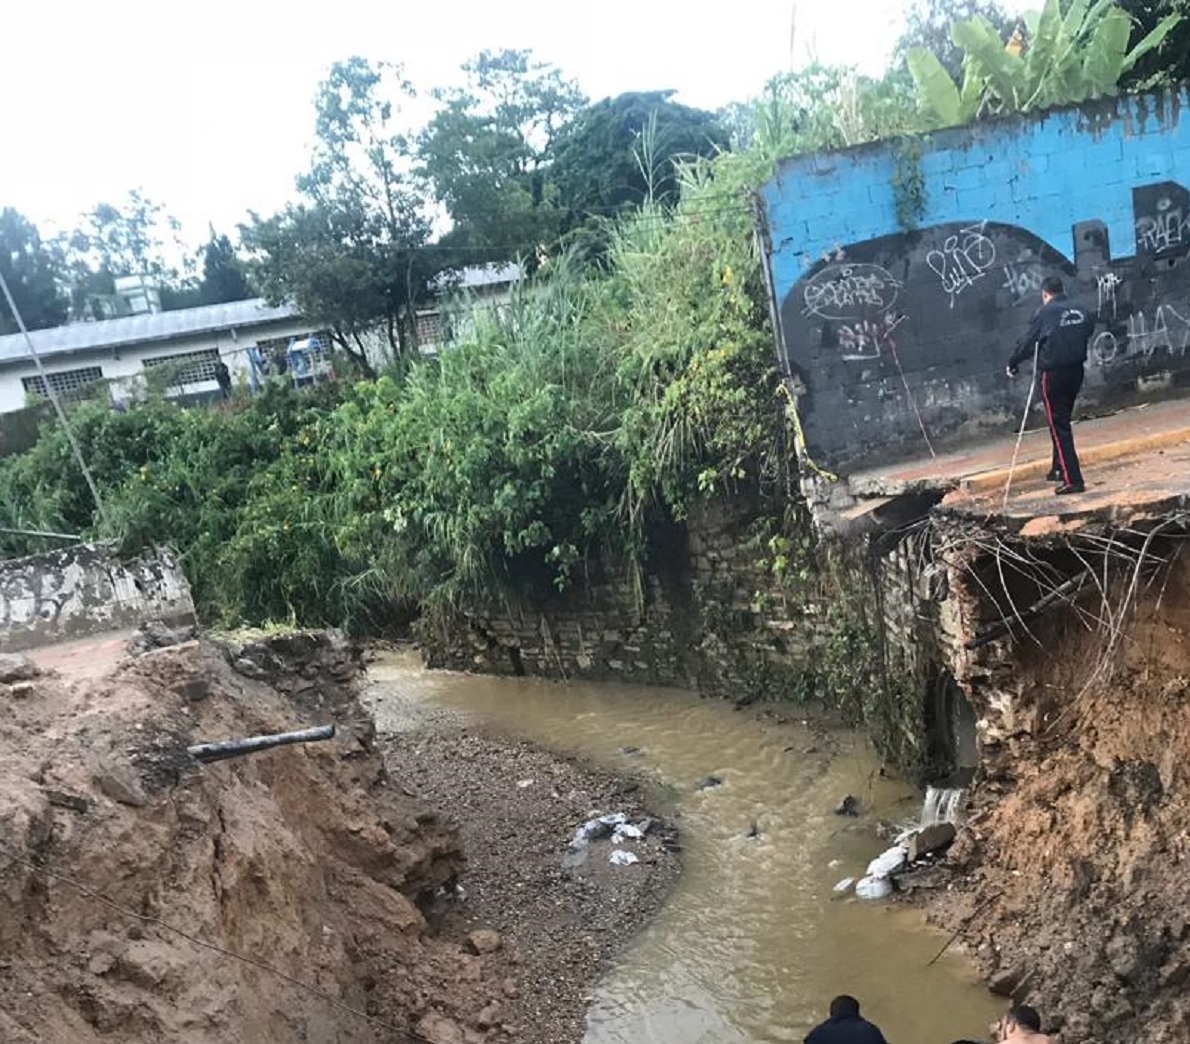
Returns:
(754, 941)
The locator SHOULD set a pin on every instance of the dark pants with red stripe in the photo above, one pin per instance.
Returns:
(1059, 389)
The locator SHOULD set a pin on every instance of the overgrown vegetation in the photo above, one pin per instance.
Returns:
(617, 389)
(550, 437)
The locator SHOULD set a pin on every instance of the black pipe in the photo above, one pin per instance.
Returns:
(207, 752)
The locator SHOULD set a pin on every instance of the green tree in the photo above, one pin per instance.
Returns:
(33, 271)
(129, 239)
(134, 237)
(350, 254)
(624, 150)
(223, 276)
(487, 153)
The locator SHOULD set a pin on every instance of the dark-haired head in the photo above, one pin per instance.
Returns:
(1052, 286)
(1025, 1016)
(843, 1006)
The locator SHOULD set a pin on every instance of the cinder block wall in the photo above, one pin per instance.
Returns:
(891, 330)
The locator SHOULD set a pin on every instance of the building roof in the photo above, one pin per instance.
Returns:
(472, 277)
(143, 329)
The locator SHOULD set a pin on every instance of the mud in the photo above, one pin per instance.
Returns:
(1072, 870)
(303, 858)
(317, 863)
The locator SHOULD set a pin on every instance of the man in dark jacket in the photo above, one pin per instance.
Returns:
(845, 1026)
(1061, 330)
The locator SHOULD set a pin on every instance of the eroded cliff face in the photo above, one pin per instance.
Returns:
(305, 858)
(1074, 858)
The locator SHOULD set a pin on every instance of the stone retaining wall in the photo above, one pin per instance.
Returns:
(86, 589)
(715, 617)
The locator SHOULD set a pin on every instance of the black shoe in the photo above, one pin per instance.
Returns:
(1054, 475)
(1070, 487)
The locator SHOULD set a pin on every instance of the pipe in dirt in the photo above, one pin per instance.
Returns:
(208, 752)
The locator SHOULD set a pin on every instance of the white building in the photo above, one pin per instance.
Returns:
(478, 286)
(121, 352)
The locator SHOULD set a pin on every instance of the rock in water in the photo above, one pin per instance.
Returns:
(888, 862)
(708, 782)
(930, 839)
(849, 806)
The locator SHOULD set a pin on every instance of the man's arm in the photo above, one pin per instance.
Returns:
(1024, 347)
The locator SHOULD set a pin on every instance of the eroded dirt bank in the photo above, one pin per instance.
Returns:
(1072, 887)
(315, 860)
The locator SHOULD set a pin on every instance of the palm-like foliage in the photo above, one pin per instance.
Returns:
(1072, 56)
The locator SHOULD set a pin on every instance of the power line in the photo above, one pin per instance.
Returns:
(214, 948)
(52, 393)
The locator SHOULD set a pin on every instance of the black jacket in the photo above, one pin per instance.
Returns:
(1064, 329)
(846, 1029)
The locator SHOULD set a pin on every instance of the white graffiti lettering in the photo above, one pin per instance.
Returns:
(1107, 282)
(1165, 230)
(1105, 349)
(849, 291)
(865, 339)
(860, 340)
(1169, 332)
(1021, 282)
(1166, 333)
(964, 259)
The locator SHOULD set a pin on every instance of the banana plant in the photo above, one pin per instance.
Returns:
(1072, 55)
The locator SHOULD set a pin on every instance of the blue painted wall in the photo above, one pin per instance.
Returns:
(893, 332)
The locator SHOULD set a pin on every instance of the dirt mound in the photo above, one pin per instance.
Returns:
(302, 857)
(1076, 856)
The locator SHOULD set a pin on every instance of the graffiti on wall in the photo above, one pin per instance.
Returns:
(957, 297)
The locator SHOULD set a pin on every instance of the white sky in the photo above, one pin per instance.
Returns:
(207, 107)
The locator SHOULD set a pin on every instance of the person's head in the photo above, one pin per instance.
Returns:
(843, 1006)
(1051, 287)
(1022, 1016)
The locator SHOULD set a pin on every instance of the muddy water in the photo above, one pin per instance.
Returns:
(754, 941)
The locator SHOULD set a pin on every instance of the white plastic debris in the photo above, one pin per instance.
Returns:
(873, 887)
(627, 832)
(888, 862)
(522, 784)
(845, 884)
(620, 857)
(600, 826)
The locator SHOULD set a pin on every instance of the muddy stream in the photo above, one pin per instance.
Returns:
(754, 941)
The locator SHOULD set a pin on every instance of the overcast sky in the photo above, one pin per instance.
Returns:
(210, 111)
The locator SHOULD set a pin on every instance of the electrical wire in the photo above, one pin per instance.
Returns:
(254, 962)
(52, 394)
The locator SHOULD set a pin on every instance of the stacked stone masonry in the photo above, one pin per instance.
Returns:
(721, 621)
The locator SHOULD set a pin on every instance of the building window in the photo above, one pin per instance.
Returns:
(429, 328)
(187, 367)
(67, 384)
